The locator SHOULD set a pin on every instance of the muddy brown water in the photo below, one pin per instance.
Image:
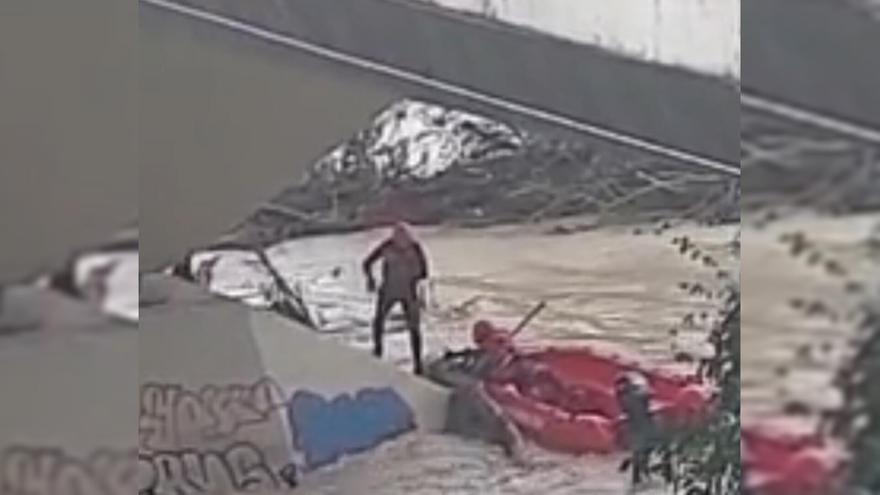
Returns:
(796, 326)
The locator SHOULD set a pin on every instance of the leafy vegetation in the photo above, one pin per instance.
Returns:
(861, 410)
(858, 421)
(706, 460)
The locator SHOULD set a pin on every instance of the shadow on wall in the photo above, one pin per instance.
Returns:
(326, 430)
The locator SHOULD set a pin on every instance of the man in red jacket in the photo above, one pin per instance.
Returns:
(404, 266)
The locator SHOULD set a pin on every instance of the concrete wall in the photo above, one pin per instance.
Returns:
(68, 171)
(702, 35)
(219, 379)
(68, 407)
(816, 54)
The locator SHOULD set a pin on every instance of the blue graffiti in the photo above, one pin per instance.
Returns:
(325, 430)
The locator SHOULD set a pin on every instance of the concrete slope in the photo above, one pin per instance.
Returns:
(218, 378)
(69, 382)
(67, 386)
(299, 356)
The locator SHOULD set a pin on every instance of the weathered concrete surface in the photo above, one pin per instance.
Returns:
(69, 381)
(193, 338)
(817, 54)
(299, 357)
(196, 338)
(67, 129)
(190, 340)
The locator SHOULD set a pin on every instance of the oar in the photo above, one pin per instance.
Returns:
(528, 318)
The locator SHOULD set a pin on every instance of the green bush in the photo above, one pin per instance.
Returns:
(706, 460)
(858, 421)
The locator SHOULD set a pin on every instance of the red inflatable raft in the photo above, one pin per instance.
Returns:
(779, 463)
(589, 377)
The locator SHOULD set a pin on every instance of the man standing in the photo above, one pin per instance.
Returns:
(404, 266)
(634, 397)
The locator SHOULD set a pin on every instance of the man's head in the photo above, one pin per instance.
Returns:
(483, 331)
(491, 338)
(631, 382)
(401, 235)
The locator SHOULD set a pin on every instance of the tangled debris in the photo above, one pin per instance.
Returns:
(488, 174)
(792, 165)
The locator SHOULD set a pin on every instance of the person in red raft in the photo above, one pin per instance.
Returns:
(404, 267)
(498, 362)
(531, 377)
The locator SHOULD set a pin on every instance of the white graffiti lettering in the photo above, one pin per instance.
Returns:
(43, 471)
(172, 417)
(242, 467)
(49, 471)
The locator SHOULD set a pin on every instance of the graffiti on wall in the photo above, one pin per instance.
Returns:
(194, 442)
(241, 467)
(45, 471)
(50, 471)
(172, 416)
(325, 430)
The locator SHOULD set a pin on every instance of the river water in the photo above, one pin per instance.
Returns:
(796, 327)
(608, 287)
